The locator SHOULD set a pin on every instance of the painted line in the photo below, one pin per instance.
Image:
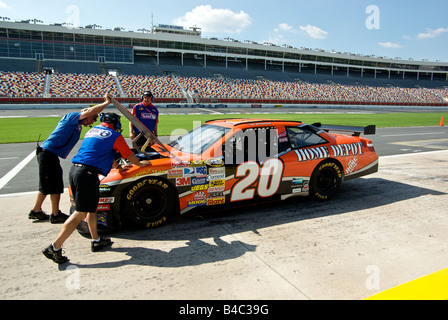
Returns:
(23, 194)
(11, 174)
(412, 154)
(210, 111)
(431, 287)
(422, 143)
(413, 134)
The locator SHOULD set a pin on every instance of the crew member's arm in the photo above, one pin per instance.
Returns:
(122, 147)
(134, 160)
(131, 131)
(96, 109)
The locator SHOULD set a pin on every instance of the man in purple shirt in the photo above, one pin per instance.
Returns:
(148, 115)
(58, 145)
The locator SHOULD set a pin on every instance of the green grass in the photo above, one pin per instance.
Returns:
(17, 130)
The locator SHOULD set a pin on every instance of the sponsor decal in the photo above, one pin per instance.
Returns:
(101, 219)
(220, 176)
(175, 173)
(352, 164)
(104, 188)
(344, 150)
(201, 195)
(297, 190)
(341, 150)
(200, 171)
(297, 181)
(306, 187)
(98, 133)
(199, 187)
(215, 194)
(217, 183)
(216, 189)
(146, 115)
(103, 207)
(198, 181)
(185, 181)
(106, 200)
(213, 171)
(197, 203)
(196, 163)
(149, 171)
(189, 172)
(214, 162)
(312, 153)
(182, 164)
(216, 201)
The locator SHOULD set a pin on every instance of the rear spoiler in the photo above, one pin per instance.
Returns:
(368, 130)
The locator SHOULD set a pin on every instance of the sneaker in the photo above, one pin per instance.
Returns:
(38, 215)
(55, 255)
(102, 243)
(59, 218)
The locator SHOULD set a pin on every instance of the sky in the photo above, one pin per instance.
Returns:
(393, 28)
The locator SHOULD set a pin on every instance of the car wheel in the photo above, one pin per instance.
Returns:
(325, 180)
(149, 203)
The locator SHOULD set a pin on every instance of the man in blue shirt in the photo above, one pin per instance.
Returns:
(58, 145)
(148, 114)
(96, 156)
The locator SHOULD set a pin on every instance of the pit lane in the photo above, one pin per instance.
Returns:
(379, 232)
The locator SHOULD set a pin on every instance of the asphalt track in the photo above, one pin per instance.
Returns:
(383, 231)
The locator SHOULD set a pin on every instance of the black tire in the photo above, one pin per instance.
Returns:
(326, 180)
(149, 203)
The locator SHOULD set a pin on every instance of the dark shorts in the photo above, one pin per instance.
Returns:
(85, 186)
(50, 173)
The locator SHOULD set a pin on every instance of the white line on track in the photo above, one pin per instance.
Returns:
(11, 174)
(413, 134)
(210, 111)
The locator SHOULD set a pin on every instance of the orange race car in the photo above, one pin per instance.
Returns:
(234, 162)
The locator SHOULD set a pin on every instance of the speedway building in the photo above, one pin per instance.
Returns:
(172, 51)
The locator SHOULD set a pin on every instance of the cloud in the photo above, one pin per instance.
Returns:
(430, 33)
(314, 32)
(4, 5)
(215, 20)
(285, 27)
(390, 45)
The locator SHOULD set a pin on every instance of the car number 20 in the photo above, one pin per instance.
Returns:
(268, 176)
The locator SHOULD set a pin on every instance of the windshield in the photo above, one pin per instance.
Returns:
(200, 139)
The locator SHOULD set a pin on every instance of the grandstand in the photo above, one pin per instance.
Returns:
(54, 64)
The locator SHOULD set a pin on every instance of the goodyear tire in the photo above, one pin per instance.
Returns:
(149, 203)
(326, 180)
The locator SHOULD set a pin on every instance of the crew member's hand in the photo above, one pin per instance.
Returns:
(145, 163)
(125, 167)
(107, 98)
